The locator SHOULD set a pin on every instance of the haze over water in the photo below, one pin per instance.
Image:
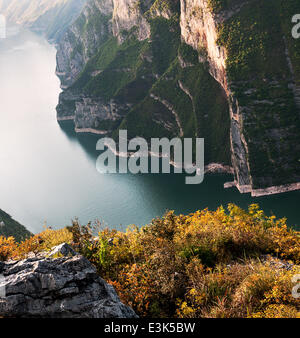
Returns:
(48, 173)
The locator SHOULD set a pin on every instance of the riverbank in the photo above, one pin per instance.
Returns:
(263, 192)
(211, 168)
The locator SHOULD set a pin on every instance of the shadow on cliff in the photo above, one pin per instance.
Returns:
(86, 140)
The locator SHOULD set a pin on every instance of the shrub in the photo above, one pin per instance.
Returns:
(9, 249)
(223, 263)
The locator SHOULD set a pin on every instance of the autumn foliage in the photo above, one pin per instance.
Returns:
(224, 263)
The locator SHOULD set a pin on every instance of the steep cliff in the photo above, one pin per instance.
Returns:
(251, 53)
(122, 65)
(50, 17)
(227, 71)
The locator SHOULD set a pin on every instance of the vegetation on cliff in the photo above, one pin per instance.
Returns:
(161, 87)
(10, 227)
(263, 71)
(157, 85)
(224, 263)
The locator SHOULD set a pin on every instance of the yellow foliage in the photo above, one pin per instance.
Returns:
(237, 233)
(223, 263)
(38, 243)
(277, 311)
(206, 264)
(7, 247)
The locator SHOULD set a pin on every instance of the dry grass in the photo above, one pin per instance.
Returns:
(223, 263)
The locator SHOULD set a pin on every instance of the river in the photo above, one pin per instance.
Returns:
(48, 173)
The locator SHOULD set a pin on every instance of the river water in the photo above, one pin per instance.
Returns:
(48, 173)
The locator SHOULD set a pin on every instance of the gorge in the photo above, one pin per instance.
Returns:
(149, 66)
(157, 69)
(101, 102)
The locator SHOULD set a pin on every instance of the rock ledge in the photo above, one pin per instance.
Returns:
(65, 287)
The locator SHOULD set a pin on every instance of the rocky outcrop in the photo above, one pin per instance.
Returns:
(82, 39)
(199, 29)
(128, 14)
(63, 287)
(92, 115)
(98, 20)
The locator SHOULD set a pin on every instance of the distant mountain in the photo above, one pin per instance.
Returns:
(50, 17)
(10, 227)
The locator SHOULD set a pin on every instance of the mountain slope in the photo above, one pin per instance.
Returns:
(253, 56)
(124, 66)
(227, 71)
(51, 17)
(10, 227)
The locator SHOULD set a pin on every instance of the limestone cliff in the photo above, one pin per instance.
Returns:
(262, 92)
(82, 39)
(199, 28)
(98, 21)
(208, 68)
(122, 65)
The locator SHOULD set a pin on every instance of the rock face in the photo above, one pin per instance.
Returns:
(191, 68)
(199, 28)
(82, 39)
(261, 143)
(113, 60)
(128, 14)
(90, 113)
(98, 20)
(66, 287)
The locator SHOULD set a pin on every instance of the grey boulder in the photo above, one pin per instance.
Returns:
(65, 287)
